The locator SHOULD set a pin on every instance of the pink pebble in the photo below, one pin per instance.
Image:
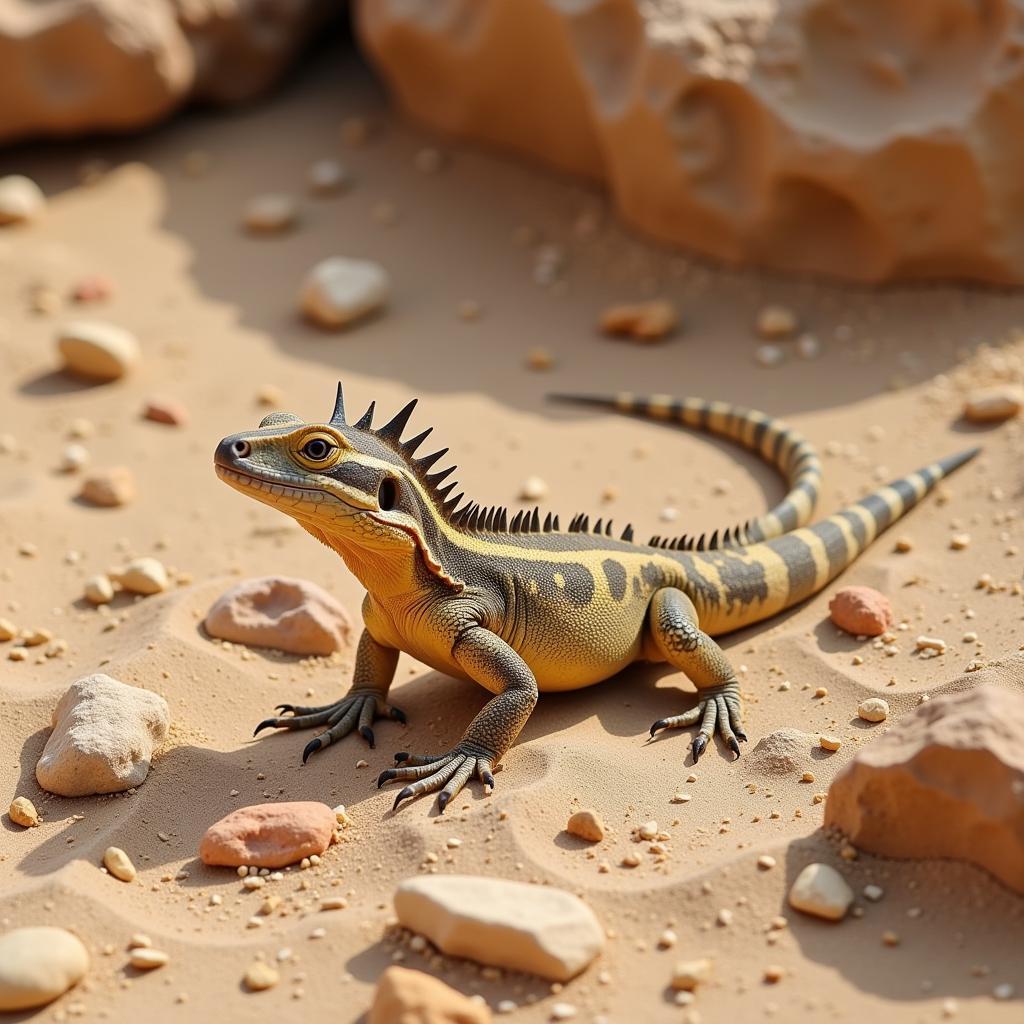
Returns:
(269, 835)
(861, 611)
(166, 410)
(94, 288)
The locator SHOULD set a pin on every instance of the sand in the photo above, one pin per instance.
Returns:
(215, 314)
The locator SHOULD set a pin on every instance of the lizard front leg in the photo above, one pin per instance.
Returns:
(490, 661)
(672, 621)
(364, 702)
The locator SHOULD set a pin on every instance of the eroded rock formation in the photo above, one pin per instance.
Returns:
(76, 66)
(871, 139)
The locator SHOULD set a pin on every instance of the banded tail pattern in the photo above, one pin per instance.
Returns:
(735, 589)
(779, 445)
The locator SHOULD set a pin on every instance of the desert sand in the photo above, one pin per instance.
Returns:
(215, 313)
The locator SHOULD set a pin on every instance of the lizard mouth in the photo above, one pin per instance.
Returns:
(273, 486)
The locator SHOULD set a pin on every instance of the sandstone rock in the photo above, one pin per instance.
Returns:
(339, 291)
(37, 965)
(23, 812)
(98, 589)
(688, 974)
(142, 958)
(805, 136)
(861, 611)
(993, 405)
(945, 781)
(119, 864)
(269, 835)
(133, 63)
(21, 199)
(644, 321)
(109, 488)
(259, 976)
(587, 825)
(412, 997)
(537, 929)
(782, 752)
(97, 350)
(103, 738)
(280, 612)
(166, 410)
(821, 891)
(145, 576)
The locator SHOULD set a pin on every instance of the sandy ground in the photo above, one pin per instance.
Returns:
(215, 313)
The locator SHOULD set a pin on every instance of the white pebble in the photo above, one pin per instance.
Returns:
(271, 213)
(73, 458)
(99, 590)
(533, 488)
(143, 576)
(339, 291)
(328, 176)
(97, 350)
(821, 891)
(119, 864)
(21, 199)
(874, 709)
(769, 355)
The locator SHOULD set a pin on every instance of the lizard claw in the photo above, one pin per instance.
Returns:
(661, 723)
(267, 723)
(367, 733)
(385, 776)
(311, 748)
(283, 709)
(404, 795)
(734, 745)
(397, 714)
(700, 742)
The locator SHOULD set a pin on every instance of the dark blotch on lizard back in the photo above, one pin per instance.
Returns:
(615, 574)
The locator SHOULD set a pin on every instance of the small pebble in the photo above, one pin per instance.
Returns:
(119, 864)
(97, 350)
(993, 405)
(643, 322)
(145, 576)
(21, 199)
(773, 974)
(23, 812)
(562, 1011)
(873, 893)
(269, 214)
(776, 322)
(533, 488)
(339, 291)
(959, 541)
(73, 458)
(765, 862)
(688, 974)
(874, 709)
(328, 177)
(109, 488)
(903, 545)
(821, 891)
(94, 288)
(539, 359)
(259, 975)
(98, 589)
(587, 825)
(166, 410)
(144, 958)
(769, 355)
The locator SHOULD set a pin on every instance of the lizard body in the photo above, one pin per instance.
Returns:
(520, 605)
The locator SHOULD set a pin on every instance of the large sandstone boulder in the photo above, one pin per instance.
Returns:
(868, 140)
(945, 781)
(75, 66)
(104, 735)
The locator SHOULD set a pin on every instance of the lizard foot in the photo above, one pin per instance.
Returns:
(718, 707)
(358, 708)
(429, 773)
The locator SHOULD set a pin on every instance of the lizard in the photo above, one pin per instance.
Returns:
(520, 605)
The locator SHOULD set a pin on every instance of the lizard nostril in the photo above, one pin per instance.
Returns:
(240, 449)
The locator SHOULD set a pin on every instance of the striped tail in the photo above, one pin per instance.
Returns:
(779, 445)
(768, 578)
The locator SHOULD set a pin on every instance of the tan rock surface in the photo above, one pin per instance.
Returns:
(831, 135)
(103, 738)
(945, 781)
(537, 929)
(412, 997)
(269, 835)
(282, 613)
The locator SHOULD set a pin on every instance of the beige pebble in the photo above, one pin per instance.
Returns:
(995, 404)
(648, 830)
(339, 291)
(539, 358)
(680, 798)
(36, 637)
(271, 213)
(821, 691)
(259, 975)
(873, 893)
(97, 350)
(930, 643)
(533, 488)
(119, 864)
(903, 545)
(630, 860)
(688, 974)
(776, 322)
(73, 458)
(98, 589)
(773, 974)
(959, 541)
(109, 488)
(327, 177)
(766, 862)
(821, 891)
(827, 742)
(769, 355)
(144, 958)
(807, 777)
(23, 812)
(145, 576)
(874, 709)
(667, 939)
(562, 1011)
(8, 630)
(586, 824)
(21, 199)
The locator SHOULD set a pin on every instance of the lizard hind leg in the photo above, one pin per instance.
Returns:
(672, 622)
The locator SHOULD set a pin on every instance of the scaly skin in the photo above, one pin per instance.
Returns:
(522, 606)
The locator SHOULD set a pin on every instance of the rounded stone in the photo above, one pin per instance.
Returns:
(97, 350)
(821, 891)
(269, 835)
(338, 291)
(861, 611)
(37, 965)
(21, 199)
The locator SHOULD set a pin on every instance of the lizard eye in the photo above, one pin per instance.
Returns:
(387, 494)
(317, 450)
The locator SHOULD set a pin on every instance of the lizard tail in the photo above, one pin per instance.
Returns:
(735, 590)
(778, 444)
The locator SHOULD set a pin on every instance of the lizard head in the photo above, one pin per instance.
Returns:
(351, 486)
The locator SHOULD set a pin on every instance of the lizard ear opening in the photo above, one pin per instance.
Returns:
(387, 494)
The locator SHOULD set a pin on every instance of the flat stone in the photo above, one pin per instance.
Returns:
(109, 488)
(947, 780)
(269, 835)
(338, 291)
(821, 891)
(280, 612)
(413, 997)
(533, 928)
(861, 611)
(97, 350)
(21, 199)
(37, 965)
(103, 738)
